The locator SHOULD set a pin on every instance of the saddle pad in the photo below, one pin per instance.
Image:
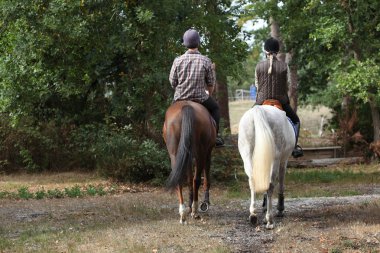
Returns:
(273, 102)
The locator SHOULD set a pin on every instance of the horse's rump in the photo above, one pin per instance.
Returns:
(266, 140)
(265, 135)
(189, 135)
(188, 131)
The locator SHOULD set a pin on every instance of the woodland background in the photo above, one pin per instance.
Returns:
(84, 84)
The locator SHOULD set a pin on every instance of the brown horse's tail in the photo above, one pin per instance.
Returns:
(184, 156)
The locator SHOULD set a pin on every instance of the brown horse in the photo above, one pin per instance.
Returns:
(189, 133)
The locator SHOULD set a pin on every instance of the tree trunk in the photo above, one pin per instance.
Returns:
(275, 33)
(293, 82)
(293, 77)
(222, 99)
(375, 118)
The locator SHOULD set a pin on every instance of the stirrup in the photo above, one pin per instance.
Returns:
(297, 152)
(219, 142)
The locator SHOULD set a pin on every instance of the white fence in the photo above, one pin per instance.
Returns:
(241, 94)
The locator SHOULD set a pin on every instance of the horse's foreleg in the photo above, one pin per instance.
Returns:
(206, 185)
(269, 216)
(182, 207)
(196, 185)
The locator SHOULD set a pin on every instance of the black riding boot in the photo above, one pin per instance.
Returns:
(297, 152)
(213, 107)
(219, 142)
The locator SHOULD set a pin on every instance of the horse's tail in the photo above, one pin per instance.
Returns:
(264, 153)
(184, 156)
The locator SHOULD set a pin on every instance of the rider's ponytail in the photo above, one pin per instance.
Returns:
(270, 63)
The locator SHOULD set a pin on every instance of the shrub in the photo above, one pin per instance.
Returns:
(121, 156)
(24, 193)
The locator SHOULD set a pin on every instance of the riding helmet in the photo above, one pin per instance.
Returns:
(272, 45)
(191, 39)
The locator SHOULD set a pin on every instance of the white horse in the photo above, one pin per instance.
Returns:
(266, 140)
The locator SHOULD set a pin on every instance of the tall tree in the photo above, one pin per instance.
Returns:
(326, 38)
(222, 35)
(101, 65)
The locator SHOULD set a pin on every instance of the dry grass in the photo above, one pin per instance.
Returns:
(12, 182)
(352, 228)
(140, 222)
(237, 109)
(310, 122)
(148, 221)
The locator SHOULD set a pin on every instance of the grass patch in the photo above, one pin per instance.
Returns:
(238, 189)
(317, 182)
(330, 176)
(4, 244)
(72, 192)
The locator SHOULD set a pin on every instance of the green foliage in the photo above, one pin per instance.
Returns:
(225, 164)
(24, 193)
(40, 194)
(121, 156)
(91, 190)
(27, 160)
(74, 192)
(71, 192)
(334, 45)
(360, 79)
(73, 72)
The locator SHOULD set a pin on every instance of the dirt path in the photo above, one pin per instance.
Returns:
(245, 238)
(147, 222)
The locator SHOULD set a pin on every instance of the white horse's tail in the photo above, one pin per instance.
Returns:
(264, 152)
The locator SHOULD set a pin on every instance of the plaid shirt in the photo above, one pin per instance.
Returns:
(190, 75)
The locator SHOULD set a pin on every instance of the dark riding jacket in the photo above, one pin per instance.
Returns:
(274, 85)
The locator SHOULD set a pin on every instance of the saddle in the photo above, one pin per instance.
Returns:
(277, 104)
(273, 102)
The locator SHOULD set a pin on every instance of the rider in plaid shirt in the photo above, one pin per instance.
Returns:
(191, 74)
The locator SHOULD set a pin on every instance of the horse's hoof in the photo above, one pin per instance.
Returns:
(195, 216)
(183, 222)
(270, 226)
(280, 214)
(204, 207)
(253, 219)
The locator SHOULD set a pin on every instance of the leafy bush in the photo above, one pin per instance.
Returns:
(127, 159)
(24, 193)
(40, 194)
(74, 192)
(226, 163)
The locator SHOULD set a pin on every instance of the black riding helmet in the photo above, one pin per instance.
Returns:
(272, 45)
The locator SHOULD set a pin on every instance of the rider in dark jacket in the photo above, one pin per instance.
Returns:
(271, 80)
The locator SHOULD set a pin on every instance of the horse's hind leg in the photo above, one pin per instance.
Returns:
(280, 204)
(269, 216)
(252, 209)
(195, 186)
(206, 185)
